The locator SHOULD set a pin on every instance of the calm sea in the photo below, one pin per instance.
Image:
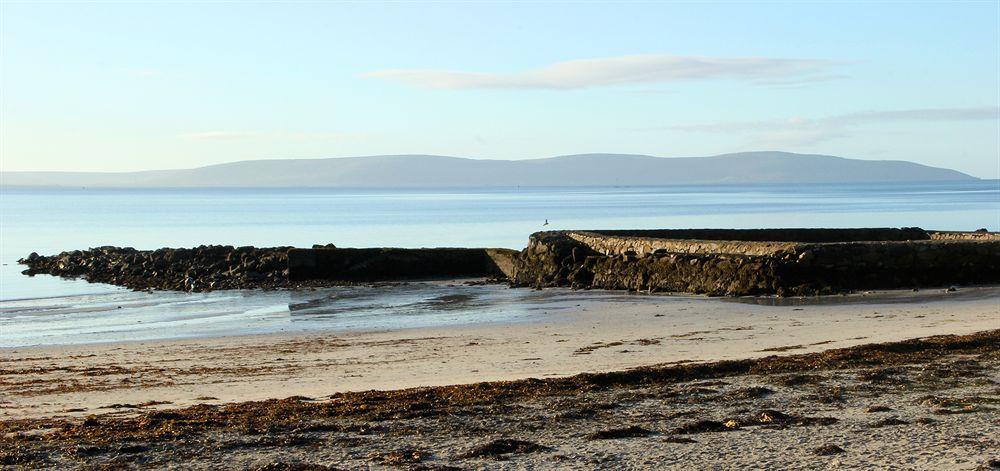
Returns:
(44, 309)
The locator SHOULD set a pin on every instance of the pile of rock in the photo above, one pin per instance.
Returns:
(204, 268)
(219, 267)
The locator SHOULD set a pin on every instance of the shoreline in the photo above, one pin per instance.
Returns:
(78, 380)
(554, 297)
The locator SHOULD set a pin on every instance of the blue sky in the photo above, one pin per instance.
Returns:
(132, 86)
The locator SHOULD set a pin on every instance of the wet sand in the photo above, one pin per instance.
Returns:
(130, 377)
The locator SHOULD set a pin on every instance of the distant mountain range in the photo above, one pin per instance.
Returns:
(407, 171)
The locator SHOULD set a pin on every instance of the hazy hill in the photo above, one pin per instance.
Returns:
(569, 170)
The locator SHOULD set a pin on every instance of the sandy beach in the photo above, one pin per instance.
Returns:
(600, 336)
(642, 381)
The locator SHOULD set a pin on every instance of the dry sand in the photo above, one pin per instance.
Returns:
(94, 379)
(918, 404)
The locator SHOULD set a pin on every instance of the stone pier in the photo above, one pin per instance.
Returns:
(758, 261)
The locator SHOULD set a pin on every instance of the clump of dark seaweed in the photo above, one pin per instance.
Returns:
(401, 456)
(827, 450)
(888, 422)
(503, 446)
(631, 431)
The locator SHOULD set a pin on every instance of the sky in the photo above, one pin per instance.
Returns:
(122, 86)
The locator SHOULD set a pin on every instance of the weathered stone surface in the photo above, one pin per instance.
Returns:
(767, 264)
(776, 235)
(769, 261)
(204, 268)
(381, 264)
(981, 234)
(216, 267)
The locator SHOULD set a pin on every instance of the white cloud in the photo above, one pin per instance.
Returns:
(585, 73)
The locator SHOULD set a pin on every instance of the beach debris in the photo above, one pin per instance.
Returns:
(135, 406)
(299, 398)
(778, 418)
(596, 345)
(991, 464)
(765, 417)
(945, 405)
(21, 455)
(888, 422)
(966, 409)
(827, 450)
(702, 426)
(294, 466)
(672, 439)
(631, 431)
(966, 368)
(503, 446)
(752, 392)
(402, 456)
(782, 349)
(576, 414)
(882, 375)
(266, 439)
(131, 449)
(84, 451)
(798, 379)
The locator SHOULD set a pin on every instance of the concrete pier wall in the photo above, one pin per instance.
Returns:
(385, 264)
(711, 261)
(827, 261)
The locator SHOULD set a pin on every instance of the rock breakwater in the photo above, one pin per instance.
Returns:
(729, 262)
(219, 267)
(204, 268)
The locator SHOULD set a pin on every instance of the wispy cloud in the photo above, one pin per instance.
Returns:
(800, 131)
(219, 135)
(240, 135)
(800, 82)
(922, 114)
(144, 72)
(850, 119)
(633, 69)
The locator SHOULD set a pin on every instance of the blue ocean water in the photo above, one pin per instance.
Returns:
(48, 221)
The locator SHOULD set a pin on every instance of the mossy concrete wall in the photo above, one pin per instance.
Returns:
(641, 246)
(830, 262)
(383, 264)
(977, 235)
(777, 235)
